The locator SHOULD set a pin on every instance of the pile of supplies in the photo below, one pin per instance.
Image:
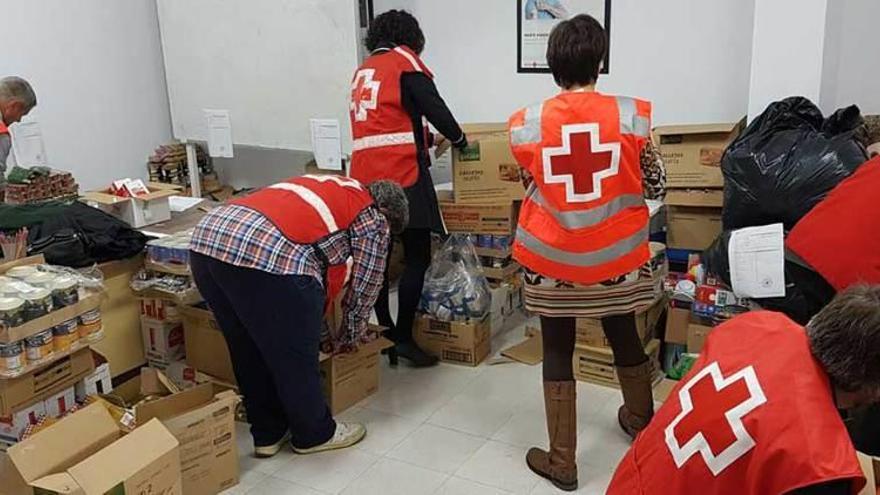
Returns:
(29, 185)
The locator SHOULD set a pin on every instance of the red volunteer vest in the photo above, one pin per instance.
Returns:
(840, 237)
(384, 144)
(585, 219)
(4, 129)
(310, 208)
(755, 415)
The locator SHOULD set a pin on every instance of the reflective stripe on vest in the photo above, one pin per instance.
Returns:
(410, 58)
(580, 219)
(582, 259)
(630, 122)
(313, 200)
(383, 140)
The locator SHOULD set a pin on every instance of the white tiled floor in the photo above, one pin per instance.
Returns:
(449, 430)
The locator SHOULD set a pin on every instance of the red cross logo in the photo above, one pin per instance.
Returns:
(712, 409)
(581, 162)
(364, 93)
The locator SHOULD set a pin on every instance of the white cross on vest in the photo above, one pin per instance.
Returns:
(364, 93)
(581, 162)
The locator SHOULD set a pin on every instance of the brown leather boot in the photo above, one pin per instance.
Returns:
(638, 397)
(558, 465)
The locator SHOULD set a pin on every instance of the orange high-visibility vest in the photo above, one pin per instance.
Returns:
(384, 144)
(4, 129)
(310, 208)
(584, 219)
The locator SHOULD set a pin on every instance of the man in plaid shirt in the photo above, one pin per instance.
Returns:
(267, 264)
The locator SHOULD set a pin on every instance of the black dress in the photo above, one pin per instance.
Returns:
(421, 99)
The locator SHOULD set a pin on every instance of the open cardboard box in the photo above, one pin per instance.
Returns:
(86, 454)
(694, 217)
(139, 211)
(692, 153)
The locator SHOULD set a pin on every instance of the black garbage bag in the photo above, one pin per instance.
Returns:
(72, 234)
(786, 161)
(806, 292)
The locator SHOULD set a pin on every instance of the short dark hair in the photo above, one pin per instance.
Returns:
(576, 50)
(396, 28)
(845, 339)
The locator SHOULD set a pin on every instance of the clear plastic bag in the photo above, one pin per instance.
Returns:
(455, 287)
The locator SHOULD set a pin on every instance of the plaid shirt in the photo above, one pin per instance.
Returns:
(243, 237)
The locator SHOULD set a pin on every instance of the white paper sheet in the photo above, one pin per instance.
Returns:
(180, 204)
(27, 144)
(219, 133)
(757, 261)
(327, 143)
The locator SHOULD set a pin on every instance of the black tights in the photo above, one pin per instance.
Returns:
(559, 337)
(417, 258)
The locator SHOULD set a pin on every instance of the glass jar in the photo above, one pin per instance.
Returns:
(21, 272)
(12, 358)
(11, 311)
(90, 326)
(42, 280)
(66, 335)
(65, 292)
(37, 303)
(39, 347)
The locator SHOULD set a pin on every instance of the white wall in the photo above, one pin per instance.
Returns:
(96, 66)
(855, 77)
(690, 57)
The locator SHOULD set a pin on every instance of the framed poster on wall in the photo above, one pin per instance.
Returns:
(536, 18)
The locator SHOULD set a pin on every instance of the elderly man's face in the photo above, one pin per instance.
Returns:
(13, 112)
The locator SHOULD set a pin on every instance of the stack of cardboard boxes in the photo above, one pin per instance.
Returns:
(692, 155)
(484, 203)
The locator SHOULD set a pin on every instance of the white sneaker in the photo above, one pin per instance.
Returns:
(267, 451)
(346, 435)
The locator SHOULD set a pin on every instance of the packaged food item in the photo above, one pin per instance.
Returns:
(40, 346)
(11, 311)
(66, 335)
(21, 272)
(90, 326)
(65, 292)
(12, 357)
(37, 303)
(42, 280)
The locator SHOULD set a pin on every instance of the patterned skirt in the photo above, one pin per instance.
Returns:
(634, 291)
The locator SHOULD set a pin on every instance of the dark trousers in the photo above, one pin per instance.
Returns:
(558, 336)
(272, 325)
(417, 258)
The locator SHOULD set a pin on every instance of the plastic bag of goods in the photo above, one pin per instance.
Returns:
(455, 287)
(786, 161)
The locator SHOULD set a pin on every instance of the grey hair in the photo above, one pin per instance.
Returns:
(845, 339)
(391, 201)
(16, 88)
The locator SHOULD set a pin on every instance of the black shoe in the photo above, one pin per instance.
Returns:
(412, 353)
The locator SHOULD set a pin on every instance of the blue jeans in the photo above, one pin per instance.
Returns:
(272, 325)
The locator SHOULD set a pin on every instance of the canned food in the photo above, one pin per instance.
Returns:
(37, 303)
(66, 335)
(500, 242)
(11, 311)
(484, 241)
(12, 357)
(90, 326)
(42, 280)
(40, 346)
(21, 272)
(65, 292)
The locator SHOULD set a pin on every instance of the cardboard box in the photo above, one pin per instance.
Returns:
(97, 382)
(159, 309)
(350, 378)
(596, 364)
(694, 218)
(466, 343)
(59, 404)
(163, 340)
(485, 218)
(677, 323)
(12, 427)
(140, 211)
(83, 454)
(589, 330)
(486, 170)
(205, 345)
(696, 337)
(692, 153)
(503, 273)
(44, 382)
(664, 389)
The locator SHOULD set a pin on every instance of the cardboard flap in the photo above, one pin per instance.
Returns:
(65, 443)
(705, 198)
(61, 483)
(720, 128)
(176, 404)
(154, 382)
(124, 458)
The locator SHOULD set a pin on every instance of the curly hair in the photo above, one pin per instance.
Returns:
(391, 201)
(845, 339)
(395, 28)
